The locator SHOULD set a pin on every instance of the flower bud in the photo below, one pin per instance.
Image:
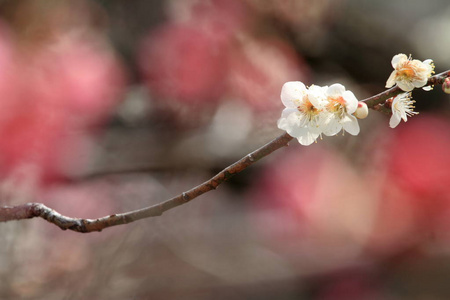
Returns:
(446, 85)
(362, 111)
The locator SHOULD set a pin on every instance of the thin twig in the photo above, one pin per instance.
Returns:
(32, 210)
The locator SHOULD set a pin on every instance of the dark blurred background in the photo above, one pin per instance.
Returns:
(109, 106)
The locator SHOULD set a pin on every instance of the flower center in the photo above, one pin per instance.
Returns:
(337, 106)
(406, 70)
(308, 109)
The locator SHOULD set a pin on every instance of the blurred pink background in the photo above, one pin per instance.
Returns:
(110, 106)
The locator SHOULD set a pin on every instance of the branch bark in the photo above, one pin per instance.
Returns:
(32, 210)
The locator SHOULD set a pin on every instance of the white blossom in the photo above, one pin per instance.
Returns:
(304, 115)
(402, 107)
(410, 73)
(340, 105)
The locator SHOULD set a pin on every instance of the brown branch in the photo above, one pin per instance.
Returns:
(31, 210)
(380, 98)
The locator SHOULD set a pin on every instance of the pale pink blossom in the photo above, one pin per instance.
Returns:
(410, 73)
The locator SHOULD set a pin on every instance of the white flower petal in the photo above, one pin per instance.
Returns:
(335, 90)
(315, 88)
(427, 88)
(351, 101)
(297, 131)
(417, 63)
(307, 139)
(398, 59)
(294, 119)
(403, 115)
(391, 80)
(283, 123)
(288, 111)
(333, 127)
(289, 120)
(316, 96)
(350, 124)
(420, 82)
(394, 121)
(291, 91)
(406, 86)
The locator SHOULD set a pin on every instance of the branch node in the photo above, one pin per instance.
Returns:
(185, 196)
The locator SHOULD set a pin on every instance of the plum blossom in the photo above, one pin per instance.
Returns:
(340, 104)
(402, 107)
(410, 73)
(304, 115)
(315, 110)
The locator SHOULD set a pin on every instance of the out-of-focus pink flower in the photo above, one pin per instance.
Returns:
(221, 19)
(31, 136)
(413, 178)
(183, 63)
(208, 52)
(61, 92)
(260, 67)
(303, 14)
(9, 75)
(396, 225)
(418, 154)
(86, 79)
(312, 204)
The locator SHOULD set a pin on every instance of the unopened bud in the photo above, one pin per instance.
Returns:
(362, 111)
(446, 86)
